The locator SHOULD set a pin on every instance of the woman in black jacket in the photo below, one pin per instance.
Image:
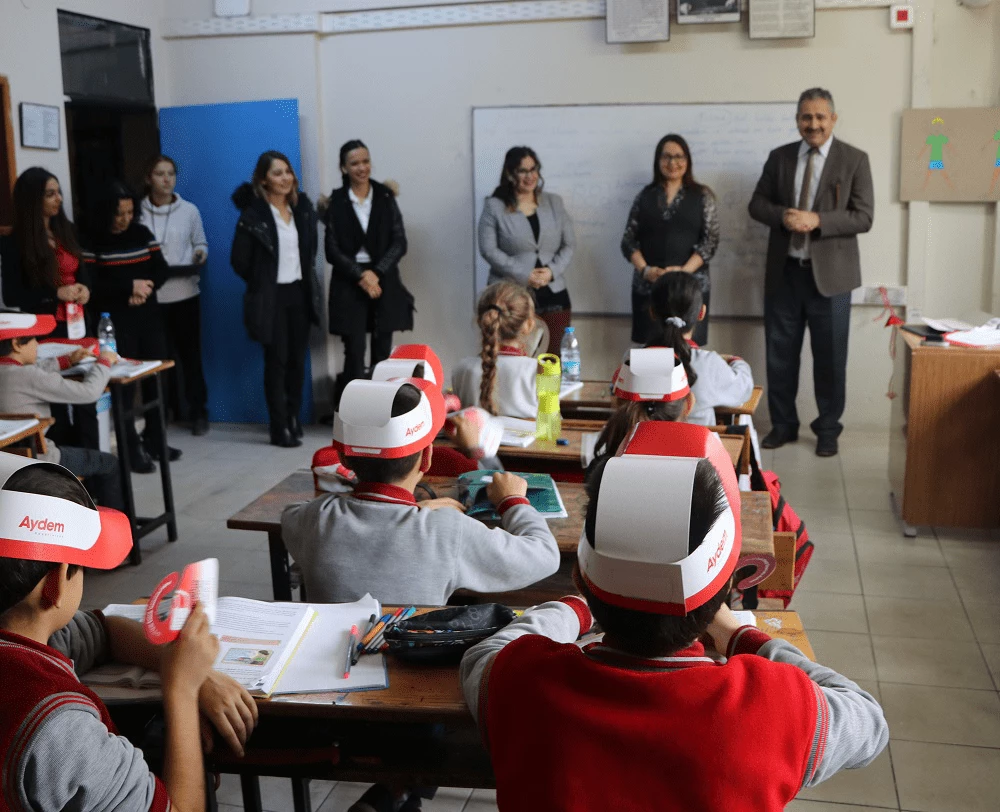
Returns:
(365, 240)
(274, 252)
(42, 273)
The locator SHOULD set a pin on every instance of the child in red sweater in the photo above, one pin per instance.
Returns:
(652, 716)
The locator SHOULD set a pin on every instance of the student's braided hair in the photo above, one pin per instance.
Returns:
(501, 313)
(675, 304)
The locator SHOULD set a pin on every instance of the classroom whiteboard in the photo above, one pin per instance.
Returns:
(598, 157)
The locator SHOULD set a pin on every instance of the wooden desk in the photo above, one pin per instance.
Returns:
(37, 431)
(944, 443)
(418, 731)
(264, 515)
(124, 411)
(725, 414)
(593, 401)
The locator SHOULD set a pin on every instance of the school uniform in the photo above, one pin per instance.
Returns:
(682, 732)
(719, 383)
(376, 540)
(515, 392)
(62, 748)
(33, 388)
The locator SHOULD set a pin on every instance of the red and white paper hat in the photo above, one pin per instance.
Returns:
(640, 557)
(410, 361)
(364, 425)
(24, 325)
(46, 528)
(651, 374)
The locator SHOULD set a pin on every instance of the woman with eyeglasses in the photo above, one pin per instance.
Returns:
(673, 226)
(526, 237)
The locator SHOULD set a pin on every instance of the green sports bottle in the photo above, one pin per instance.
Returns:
(548, 425)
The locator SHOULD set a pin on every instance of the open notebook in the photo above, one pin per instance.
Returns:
(542, 493)
(272, 648)
(8, 428)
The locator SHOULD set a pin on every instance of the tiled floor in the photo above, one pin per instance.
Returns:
(915, 621)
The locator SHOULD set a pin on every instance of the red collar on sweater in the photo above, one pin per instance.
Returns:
(7, 361)
(516, 351)
(690, 657)
(17, 641)
(379, 492)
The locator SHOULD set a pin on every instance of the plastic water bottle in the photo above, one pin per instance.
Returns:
(569, 353)
(548, 425)
(106, 334)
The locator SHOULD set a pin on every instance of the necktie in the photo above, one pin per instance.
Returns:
(799, 240)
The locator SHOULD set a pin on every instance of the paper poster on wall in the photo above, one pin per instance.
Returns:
(692, 12)
(637, 21)
(782, 19)
(950, 154)
(40, 126)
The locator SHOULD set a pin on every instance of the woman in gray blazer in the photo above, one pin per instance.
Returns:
(526, 237)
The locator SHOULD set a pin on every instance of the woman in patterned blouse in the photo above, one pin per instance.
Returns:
(673, 226)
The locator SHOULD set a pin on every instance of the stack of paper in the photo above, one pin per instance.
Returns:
(976, 337)
(517, 432)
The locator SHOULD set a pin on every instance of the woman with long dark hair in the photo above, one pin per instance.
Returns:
(526, 237)
(365, 240)
(274, 252)
(127, 266)
(673, 226)
(42, 273)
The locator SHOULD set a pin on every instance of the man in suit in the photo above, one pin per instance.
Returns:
(816, 195)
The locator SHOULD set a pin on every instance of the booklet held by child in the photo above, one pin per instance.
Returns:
(542, 493)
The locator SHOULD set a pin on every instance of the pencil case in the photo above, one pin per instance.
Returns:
(445, 634)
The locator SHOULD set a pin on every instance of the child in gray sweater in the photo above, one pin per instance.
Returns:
(378, 539)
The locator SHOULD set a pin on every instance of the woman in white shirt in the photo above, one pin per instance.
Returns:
(365, 240)
(274, 251)
(176, 224)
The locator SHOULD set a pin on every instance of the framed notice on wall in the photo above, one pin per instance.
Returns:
(690, 12)
(637, 21)
(782, 19)
(40, 126)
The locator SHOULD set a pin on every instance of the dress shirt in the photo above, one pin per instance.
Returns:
(363, 209)
(289, 263)
(800, 170)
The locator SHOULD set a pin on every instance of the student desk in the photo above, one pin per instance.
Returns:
(944, 451)
(593, 401)
(418, 731)
(728, 414)
(264, 515)
(124, 410)
(36, 431)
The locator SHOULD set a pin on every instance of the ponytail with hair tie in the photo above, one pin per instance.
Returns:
(676, 321)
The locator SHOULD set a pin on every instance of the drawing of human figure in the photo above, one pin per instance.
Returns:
(996, 171)
(937, 141)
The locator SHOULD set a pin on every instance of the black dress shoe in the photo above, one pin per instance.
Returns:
(139, 460)
(283, 438)
(200, 426)
(776, 438)
(826, 447)
(295, 427)
(153, 449)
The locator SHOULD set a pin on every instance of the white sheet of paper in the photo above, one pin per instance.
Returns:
(8, 428)
(946, 325)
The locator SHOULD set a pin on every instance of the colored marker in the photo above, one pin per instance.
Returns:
(350, 650)
(379, 642)
(375, 630)
(370, 646)
(357, 649)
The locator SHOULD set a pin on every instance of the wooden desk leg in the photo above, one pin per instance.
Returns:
(281, 584)
(120, 415)
(168, 488)
(251, 793)
(301, 802)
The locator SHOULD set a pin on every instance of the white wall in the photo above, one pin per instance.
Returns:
(29, 57)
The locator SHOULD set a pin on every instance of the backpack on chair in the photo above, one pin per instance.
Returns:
(787, 520)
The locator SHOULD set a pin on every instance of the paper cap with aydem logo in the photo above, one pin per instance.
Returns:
(46, 528)
(364, 425)
(25, 325)
(651, 374)
(410, 361)
(640, 557)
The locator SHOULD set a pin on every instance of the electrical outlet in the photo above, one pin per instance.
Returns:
(872, 295)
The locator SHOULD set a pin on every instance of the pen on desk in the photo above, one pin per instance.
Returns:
(360, 646)
(402, 614)
(374, 630)
(350, 650)
(371, 646)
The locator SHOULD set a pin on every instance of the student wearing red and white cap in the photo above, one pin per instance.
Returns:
(379, 539)
(61, 749)
(650, 717)
(28, 387)
(649, 384)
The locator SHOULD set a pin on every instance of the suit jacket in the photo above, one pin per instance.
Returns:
(507, 242)
(845, 202)
(385, 242)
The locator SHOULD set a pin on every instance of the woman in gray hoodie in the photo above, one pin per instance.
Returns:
(176, 224)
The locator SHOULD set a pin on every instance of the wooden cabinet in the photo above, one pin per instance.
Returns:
(944, 447)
